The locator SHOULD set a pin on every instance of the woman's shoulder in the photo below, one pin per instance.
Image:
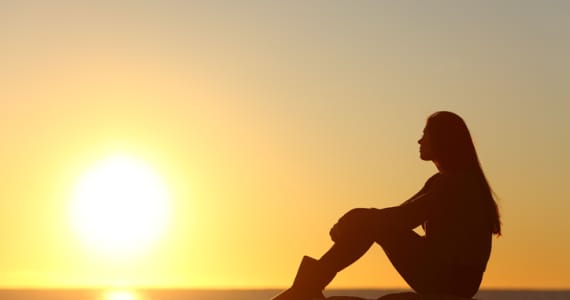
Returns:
(433, 178)
(454, 182)
(442, 180)
(464, 185)
(458, 177)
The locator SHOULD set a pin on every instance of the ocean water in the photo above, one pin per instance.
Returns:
(192, 294)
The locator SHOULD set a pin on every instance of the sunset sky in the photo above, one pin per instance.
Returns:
(266, 121)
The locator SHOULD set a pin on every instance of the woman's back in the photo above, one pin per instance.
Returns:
(460, 233)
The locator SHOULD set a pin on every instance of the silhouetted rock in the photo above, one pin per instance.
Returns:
(402, 296)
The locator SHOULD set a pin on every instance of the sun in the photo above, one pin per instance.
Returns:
(120, 205)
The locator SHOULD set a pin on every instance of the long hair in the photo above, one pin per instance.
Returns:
(454, 150)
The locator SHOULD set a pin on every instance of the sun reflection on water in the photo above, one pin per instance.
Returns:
(120, 295)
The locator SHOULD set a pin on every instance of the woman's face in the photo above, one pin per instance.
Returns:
(426, 150)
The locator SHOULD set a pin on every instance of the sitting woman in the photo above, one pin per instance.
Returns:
(455, 207)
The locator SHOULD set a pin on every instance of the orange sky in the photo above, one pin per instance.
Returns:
(267, 122)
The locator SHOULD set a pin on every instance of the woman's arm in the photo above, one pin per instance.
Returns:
(425, 188)
(408, 215)
(411, 213)
(416, 210)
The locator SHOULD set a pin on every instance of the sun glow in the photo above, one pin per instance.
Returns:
(120, 205)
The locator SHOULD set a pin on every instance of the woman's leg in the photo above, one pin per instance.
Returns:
(353, 235)
(345, 252)
(313, 276)
(407, 251)
(360, 228)
(425, 274)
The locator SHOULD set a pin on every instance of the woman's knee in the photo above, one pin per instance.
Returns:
(355, 224)
(359, 218)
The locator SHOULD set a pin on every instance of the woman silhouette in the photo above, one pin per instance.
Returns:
(455, 207)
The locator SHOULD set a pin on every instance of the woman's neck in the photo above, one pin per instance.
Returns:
(440, 169)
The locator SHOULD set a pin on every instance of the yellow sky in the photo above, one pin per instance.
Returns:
(268, 121)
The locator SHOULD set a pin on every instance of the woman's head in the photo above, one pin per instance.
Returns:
(448, 143)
